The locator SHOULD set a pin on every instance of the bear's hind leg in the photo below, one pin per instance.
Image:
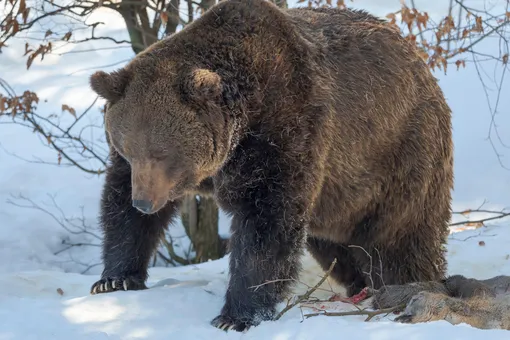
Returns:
(346, 271)
(130, 237)
(409, 260)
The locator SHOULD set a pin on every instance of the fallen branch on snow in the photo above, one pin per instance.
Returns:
(369, 313)
(352, 300)
(307, 295)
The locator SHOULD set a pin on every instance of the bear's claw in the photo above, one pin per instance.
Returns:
(226, 324)
(114, 283)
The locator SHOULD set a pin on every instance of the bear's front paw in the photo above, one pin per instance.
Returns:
(241, 321)
(228, 324)
(113, 283)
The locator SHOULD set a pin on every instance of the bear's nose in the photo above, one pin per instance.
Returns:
(143, 205)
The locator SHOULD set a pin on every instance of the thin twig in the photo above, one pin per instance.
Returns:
(369, 274)
(306, 296)
(419, 26)
(173, 255)
(65, 222)
(470, 237)
(482, 220)
(370, 314)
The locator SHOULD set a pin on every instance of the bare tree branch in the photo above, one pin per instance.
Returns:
(307, 295)
(369, 313)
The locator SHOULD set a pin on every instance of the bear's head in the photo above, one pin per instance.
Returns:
(171, 124)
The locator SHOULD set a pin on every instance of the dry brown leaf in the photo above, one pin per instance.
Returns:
(30, 59)
(164, 17)
(69, 109)
(27, 50)
(478, 24)
(67, 36)
(3, 104)
(392, 17)
(24, 15)
(460, 63)
(423, 18)
(22, 6)
(481, 243)
(15, 26)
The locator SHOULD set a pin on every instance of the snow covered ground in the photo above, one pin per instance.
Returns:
(35, 267)
(182, 301)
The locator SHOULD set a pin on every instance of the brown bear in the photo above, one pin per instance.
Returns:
(315, 127)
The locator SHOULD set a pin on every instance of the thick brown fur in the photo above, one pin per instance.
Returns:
(317, 127)
(480, 303)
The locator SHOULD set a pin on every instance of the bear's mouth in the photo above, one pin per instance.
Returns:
(176, 193)
(151, 206)
(154, 186)
(148, 207)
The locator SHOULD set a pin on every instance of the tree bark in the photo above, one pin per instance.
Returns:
(206, 4)
(172, 11)
(128, 13)
(281, 3)
(200, 220)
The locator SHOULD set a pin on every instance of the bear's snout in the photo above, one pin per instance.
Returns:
(150, 186)
(144, 206)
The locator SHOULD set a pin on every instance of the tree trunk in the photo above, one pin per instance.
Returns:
(281, 3)
(172, 11)
(200, 220)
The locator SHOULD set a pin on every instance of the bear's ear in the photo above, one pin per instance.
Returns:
(110, 86)
(203, 85)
